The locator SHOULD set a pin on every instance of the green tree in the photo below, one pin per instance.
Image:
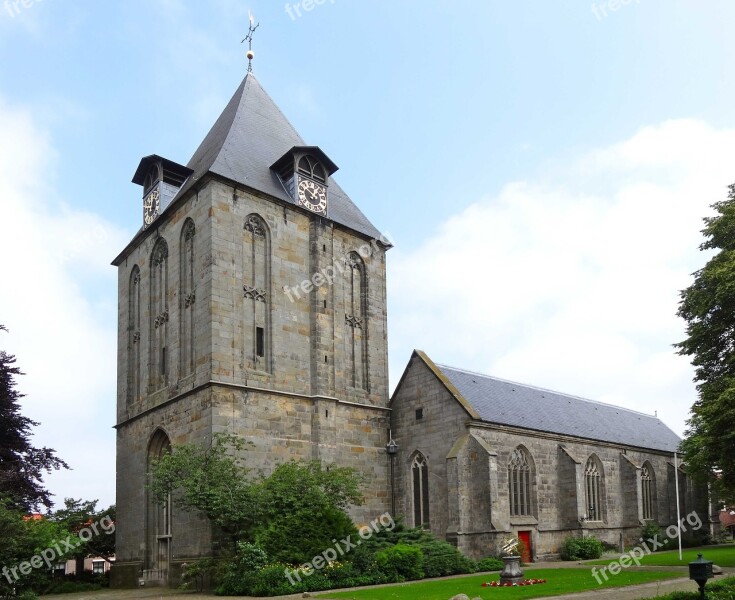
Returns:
(83, 514)
(294, 513)
(23, 538)
(708, 307)
(301, 508)
(21, 464)
(211, 479)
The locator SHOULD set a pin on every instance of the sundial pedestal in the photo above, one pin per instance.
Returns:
(512, 572)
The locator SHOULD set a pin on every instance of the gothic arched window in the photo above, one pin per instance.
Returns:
(257, 288)
(420, 472)
(158, 526)
(159, 316)
(519, 483)
(134, 335)
(647, 491)
(187, 297)
(593, 488)
(356, 315)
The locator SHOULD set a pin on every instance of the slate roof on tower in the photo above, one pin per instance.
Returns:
(249, 136)
(504, 402)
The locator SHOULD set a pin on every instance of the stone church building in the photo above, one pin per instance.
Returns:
(253, 300)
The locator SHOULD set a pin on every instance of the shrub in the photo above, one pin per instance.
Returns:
(268, 581)
(584, 548)
(195, 575)
(73, 587)
(441, 558)
(251, 557)
(297, 537)
(27, 595)
(401, 562)
(237, 575)
(86, 581)
(650, 531)
(490, 564)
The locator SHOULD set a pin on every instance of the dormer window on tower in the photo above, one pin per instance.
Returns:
(161, 180)
(304, 172)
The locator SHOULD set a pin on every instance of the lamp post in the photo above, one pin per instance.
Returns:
(392, 450)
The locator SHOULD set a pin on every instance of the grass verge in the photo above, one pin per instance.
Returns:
(723, 556)
(559, 581)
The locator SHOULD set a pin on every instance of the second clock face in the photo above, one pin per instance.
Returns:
(312, 196)
(151, 204)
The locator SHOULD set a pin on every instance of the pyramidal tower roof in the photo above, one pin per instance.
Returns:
(249, 136)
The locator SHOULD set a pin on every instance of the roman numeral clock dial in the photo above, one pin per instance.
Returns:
(312, 196)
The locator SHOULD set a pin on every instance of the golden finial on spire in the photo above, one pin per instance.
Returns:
(249, 40)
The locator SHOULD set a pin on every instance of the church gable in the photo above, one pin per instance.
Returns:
(420, 357)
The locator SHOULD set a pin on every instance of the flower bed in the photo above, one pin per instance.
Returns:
(524, 582)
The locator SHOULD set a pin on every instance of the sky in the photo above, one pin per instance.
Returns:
(543, 169)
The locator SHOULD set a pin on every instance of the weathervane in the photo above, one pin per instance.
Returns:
(249, 40)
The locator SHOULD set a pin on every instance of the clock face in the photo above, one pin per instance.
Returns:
(151, 204)
(312, 196)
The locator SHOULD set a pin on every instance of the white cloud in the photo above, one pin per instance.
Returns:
(59, 302)
(571, 281)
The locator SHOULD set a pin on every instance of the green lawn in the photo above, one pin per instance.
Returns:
(723, 556)
(559, 581)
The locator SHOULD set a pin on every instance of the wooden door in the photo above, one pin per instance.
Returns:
(525, 537)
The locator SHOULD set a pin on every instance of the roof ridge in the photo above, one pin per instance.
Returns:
(541, 389)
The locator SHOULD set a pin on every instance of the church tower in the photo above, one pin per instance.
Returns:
(252, 301)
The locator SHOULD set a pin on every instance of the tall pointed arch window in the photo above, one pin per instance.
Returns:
(647, 491)
(519, 483)
(134, 335)
(356, 315)
(187, 297)
(420, 476)
(257, 289)
(159, 316)
(159, 514)
(594, 489)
